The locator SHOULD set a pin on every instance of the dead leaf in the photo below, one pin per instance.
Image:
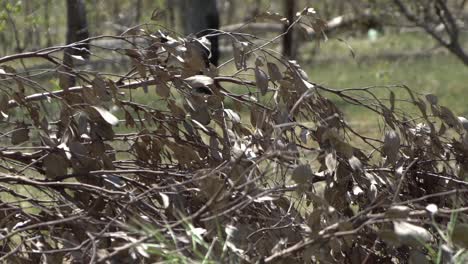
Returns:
(302, 173)
(460, 235)
(240, 58)
(55, 165)
(391, 145)
(432, 99)
(197, 81)
(232, 116)
(261, 79)
(106, 115)
(20, 134)
(274, 72)
(410, 234)
(330, 162)
(99, 87)
(398, 211)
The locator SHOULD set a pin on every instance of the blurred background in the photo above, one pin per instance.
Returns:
(418, 43)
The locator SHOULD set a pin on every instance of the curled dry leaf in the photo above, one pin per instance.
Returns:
(355, 164)
(432, 99)
(261, 78)
(398, 211)
(331, 162)
(274, 72)
(240, 57)
(410, 234)
(391, 145)
(106, 115)
(232, 116)
(199, 81)
(273, 16)
(100, 88)
(464, 122)
(448, 117)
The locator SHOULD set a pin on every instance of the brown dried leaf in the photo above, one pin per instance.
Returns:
(199, 81)
(330, 162)
(239, 54)
(410, 234)
(392, 101)
(391, 145)
(214, 149)
(102, 130)
(274, 72)
(157, 14)
(261, 79)
(201, 115)
(64, 78)
(106, 115)
(175, 109)
(432, 99)
(448, 117)
(20, 134)
(4, 103)
(464, 122)
(302, 173)
(140, 68)
(355, 164)
(273, 16)
(232, 116)
(163, 90)
(164, 200)
(398, 211)
(459, 235)
(99, 87)
(55, 165)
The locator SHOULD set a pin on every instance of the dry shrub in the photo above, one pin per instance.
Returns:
(92, 173)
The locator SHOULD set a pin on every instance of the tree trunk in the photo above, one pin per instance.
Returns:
(288, 39)
(170, 9)
(77, 30)
(138, 7)
(77, 25)
(199, 17)
(28, 32)
(47, 23)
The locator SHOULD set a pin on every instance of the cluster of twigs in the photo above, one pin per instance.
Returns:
(258, 165)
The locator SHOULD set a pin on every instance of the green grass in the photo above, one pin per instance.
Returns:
(439, 73)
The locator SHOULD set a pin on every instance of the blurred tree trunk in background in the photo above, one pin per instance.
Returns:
(138, 7)
(170, 7)
(28, 32)
(47, 23)
(200, 15)
(96, 18)
(118, 25)
(77, 25)
(289, 50)
(77, 30)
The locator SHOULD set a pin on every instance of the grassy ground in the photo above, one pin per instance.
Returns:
(376, 63)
